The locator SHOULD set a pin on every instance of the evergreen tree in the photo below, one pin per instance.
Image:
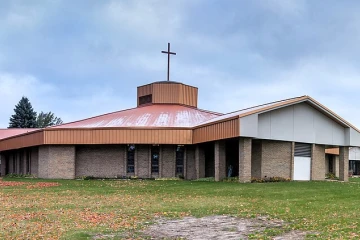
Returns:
(25, 116)
(47, 119)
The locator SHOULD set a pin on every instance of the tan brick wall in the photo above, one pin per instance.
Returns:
(292, 160)
(43, 162)
(57, 161)
(318, 162)
(220, 160)
(168, 160)
(344, 164)
(245, 159)
(142, 161)
(190, 162)
(104, 161)
(256, 155)
(199, 161)
(34, 165)
(276, 159)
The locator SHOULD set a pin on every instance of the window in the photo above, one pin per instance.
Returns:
(145, 99)
(155, 159)
(14, 170)
(28, 161)
(331, 164)
(131, 159)
(180, 160)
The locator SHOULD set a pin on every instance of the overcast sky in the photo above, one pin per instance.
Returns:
(83, 58)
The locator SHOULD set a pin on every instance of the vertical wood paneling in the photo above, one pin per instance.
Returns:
(216, 131)
(117, 136)
(172, 93)
(28, 140)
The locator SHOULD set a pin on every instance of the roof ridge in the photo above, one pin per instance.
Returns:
(18, 128)
(147, 105)
(283, 100)
(101, 115)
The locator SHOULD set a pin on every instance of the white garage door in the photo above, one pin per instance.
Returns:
(302, 168)
(302, 161)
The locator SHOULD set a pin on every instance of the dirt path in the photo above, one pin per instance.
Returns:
(215, 227)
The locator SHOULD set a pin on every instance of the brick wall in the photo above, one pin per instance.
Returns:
(220, 160)
(245, 159)
(168, 160)
(344, 164)
(276, 159)
(336, 165)
(107, 161)
(256, 159)
(190, 162)
(318, 162)
(142, 161)
(57, 162)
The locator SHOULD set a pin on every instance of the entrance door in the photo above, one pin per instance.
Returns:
(302, 161)
(302, 168)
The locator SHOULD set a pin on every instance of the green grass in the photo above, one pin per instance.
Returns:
(80, 209)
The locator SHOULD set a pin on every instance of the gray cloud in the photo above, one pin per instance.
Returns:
(84, 58)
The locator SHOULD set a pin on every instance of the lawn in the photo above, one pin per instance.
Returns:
(80, 209)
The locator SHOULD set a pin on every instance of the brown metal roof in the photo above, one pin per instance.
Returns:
(9, 132)
(159, 115)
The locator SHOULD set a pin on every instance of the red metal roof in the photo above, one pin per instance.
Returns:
(5, 133)
(161, 115)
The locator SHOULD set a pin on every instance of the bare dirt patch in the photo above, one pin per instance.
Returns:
(216, 227)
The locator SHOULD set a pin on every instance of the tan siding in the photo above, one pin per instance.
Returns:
(28, 140)
(216, 131)
(171, 93)
(117, 136)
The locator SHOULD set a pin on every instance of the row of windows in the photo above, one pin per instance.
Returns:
(17, 163)
(155, 154)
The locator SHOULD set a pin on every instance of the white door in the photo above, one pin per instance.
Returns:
(302, 168)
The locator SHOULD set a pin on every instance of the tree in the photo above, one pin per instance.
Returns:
(25, 116)
(47, 119)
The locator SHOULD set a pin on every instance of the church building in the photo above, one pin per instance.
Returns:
(167, 135)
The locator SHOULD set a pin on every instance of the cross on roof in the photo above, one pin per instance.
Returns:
(168, 67)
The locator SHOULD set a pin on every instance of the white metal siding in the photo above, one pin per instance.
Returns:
(300, 123)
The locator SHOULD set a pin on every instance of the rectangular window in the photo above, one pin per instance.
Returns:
(180, 160)
(28, 161)
(155, 159)
(21, 162)
(14, 170)
(145, 99)
(331, 164)
(131, 159)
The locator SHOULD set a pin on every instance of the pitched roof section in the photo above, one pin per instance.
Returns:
(162, 115)
(255, 109)
(5, 133)
(278, 104)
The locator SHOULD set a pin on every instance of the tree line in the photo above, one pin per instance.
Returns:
(26, 117)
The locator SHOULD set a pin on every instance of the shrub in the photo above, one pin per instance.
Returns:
(167, 179)
(14, 175)
(87, 177)
(270, 179)
(208, 179)
(331, 176)
(231, 179)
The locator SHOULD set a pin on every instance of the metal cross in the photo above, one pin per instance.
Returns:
(168, 53)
